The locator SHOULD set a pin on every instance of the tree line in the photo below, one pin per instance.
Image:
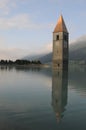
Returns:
(19, 62)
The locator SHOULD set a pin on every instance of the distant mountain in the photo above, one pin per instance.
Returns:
(33, 57)
(77, 51)
(46, 58)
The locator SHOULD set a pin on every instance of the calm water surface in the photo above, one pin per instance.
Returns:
(42, 99)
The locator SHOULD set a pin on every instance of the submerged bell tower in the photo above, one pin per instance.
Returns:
(60, 45)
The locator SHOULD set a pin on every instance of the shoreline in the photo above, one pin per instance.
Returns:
(28, 66)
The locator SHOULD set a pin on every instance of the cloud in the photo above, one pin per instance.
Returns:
(2, 43)
(78, 43)
(10, 52)
(13, 53)
(6, 6)
(46, 48)
(17, 53)
(20, 21)
(79, 40)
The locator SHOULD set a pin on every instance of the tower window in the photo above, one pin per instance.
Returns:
(58, 65)
(65, 37)
(57, 37)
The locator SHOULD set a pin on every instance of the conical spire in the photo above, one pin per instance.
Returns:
(60, 27)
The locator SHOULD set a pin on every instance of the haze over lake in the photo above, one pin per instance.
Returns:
(42, 99)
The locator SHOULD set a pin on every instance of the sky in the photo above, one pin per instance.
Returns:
(26, 26)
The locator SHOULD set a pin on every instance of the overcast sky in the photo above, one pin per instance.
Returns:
(26, 26)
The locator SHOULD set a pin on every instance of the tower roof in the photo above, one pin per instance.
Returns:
(60, 27)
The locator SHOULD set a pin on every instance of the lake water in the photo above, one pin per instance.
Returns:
(42, 99)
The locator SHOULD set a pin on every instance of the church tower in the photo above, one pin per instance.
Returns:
(60, 45)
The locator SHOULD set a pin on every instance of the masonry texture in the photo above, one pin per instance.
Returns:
(60, 45)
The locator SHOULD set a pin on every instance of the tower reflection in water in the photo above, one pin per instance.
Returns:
(59, 92)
